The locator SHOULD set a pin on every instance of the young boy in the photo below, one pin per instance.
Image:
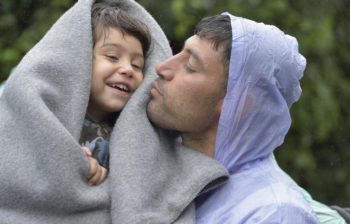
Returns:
(120, 44)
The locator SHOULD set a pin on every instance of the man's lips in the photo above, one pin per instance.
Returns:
(155, 88)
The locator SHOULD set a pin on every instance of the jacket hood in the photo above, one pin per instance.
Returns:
(263, 83)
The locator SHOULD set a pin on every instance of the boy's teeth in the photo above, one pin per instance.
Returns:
(120, 86)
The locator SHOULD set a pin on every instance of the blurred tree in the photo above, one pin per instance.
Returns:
(315, 151)
(22, 24)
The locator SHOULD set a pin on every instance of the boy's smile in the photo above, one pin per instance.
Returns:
(116, 73)
(119, 86)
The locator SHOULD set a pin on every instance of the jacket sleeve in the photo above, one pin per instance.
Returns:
(282, 214)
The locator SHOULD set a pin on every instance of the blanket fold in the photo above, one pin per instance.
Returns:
(152, 177)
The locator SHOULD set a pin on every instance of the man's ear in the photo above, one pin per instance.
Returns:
(244, 110)
(220, 104)
(249, 105)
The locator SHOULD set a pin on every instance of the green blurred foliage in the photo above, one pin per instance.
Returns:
(22, 24)
(316, 149)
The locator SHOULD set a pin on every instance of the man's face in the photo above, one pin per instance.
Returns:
(116, 73)
(188, 95)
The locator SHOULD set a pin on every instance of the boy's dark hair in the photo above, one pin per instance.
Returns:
(217, 29)
(105, 16)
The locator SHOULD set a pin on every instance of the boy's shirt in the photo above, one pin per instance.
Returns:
(95, 135)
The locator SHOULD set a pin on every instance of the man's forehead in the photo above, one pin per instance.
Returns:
(192, 42)
(201, 49)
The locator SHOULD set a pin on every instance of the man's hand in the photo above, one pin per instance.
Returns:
(97, 173)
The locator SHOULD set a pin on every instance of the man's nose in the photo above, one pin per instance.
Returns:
(167, 68)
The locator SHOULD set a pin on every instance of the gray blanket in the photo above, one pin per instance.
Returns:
(152, 177)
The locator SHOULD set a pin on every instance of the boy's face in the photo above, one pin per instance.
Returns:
(116, 73)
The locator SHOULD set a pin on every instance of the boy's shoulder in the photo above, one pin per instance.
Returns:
(94, 129)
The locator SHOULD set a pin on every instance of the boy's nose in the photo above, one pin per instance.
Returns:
(125, 68)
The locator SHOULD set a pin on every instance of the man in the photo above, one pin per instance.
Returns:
(228, 94)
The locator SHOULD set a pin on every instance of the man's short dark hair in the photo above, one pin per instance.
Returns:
(105, 16)
(217, 29)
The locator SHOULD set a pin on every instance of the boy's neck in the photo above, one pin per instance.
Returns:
(110, 120)
(95, 116)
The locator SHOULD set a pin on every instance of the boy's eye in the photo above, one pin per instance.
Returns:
(137, 66)
(113, 57)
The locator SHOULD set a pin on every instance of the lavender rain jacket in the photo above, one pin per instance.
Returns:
(264, 74)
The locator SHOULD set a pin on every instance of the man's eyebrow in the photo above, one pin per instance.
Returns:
(194, 55)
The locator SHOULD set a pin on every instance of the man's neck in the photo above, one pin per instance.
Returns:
(201, 143)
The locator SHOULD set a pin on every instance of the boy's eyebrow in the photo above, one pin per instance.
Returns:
(118, 46)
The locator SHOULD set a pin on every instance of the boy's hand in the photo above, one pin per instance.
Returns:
(97, 173)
